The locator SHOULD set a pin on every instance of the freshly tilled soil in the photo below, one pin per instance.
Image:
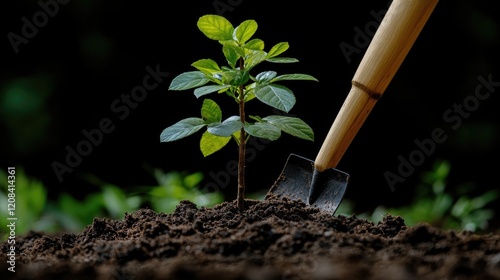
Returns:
(271, 239)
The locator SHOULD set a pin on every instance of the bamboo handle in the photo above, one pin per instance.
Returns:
(395, 36)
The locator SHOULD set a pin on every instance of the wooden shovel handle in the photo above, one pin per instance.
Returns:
(395, 36)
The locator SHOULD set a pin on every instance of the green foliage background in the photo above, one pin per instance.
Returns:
(34, 211)
(65, 78)
(435, 203)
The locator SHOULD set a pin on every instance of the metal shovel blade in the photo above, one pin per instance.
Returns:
(300, 181)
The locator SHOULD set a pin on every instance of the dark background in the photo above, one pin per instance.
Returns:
(66, 77)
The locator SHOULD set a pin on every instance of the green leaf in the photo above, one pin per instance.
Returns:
(115, 201)
(278, 49)
(277, 96)
(292, 126)
(256, 118)
(235, 77)
(240, 51)
(38, 197)
(249, 91)
(181, 129)
(461, 207)
(249, 95)
(192, 180)
(227, 127)
(253, 58)
(265, 77)
(211, 112)
(206, 66)
(282, 60)
(250, 87)
(231, 53)
(245, 31)
(216, 27)
(442, 203)
(210, 143)
(188, 80)
(290, 77)
(482, 200)
(263, 130)
(255, 44)
(199, 92)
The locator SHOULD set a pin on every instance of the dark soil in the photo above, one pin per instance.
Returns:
(272, 239)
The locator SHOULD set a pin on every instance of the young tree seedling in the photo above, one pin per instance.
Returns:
(242, 54)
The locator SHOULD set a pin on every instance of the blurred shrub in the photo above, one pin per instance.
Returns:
(31, 198)
(450, 209)
(35, 212)
(174, 187)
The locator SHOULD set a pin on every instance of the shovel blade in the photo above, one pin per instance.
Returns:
(296, 182)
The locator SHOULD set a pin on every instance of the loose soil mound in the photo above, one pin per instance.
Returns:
(272, 239)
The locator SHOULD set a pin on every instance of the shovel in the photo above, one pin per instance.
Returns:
(317, 182)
